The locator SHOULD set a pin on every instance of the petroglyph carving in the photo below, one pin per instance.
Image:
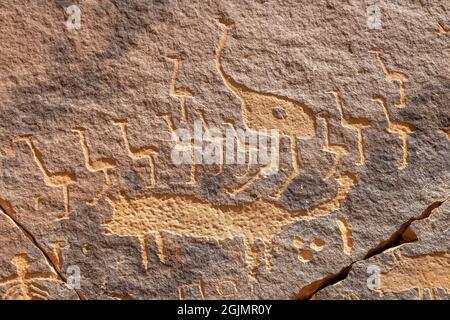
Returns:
(24, 285)
(86, 248)
(57, 256)
(210, 289)
(192, 291)
(265, 110)
(37, 203)
(181, 93)
(402, 129)
(149, 152)
(442, 30)
(103, 164)
(258, 108)
(245, 149)
(357, 124)
(306, 253)
(226, 289)
(396, 76)
(338, 150)
(424, 273)
(168, 118)
(189, 217)
(54, 180)
(261, 111)
(446, 132)
(346, 234)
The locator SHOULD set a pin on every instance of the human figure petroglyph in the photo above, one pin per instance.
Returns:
(357, 124)
(180, 92)
(402, 129)
(24, 285)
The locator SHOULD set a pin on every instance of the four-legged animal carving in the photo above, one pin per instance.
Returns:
(265, 110)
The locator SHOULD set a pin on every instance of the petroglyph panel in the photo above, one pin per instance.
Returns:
(356, 121)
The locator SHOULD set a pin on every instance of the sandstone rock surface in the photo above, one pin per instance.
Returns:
(89, 190)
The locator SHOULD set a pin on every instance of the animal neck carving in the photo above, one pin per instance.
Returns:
(103, 164)
(266, 110)
(25, 284)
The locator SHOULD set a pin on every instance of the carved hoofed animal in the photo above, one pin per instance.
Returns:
(187, 216)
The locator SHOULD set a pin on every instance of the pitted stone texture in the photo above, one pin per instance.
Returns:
(87, 118)
(417, 270)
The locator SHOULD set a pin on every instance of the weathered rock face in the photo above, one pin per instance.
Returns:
(95, 206)
(410, 271)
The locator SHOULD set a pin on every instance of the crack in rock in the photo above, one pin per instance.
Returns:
(403, 235)
(4, 206)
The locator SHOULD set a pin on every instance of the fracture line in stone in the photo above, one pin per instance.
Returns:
(399, 77)
(54, 180)
(402, 129)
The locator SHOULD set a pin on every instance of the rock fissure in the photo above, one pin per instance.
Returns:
(403, 235)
